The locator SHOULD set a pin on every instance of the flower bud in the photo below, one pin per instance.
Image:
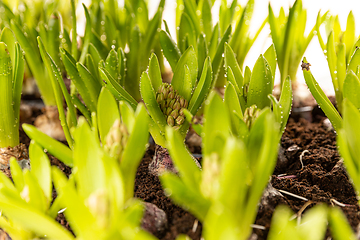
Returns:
(170, 121)
(116, 139)
(183, 102)
(166, 93)
(180, 120)
(171, 95)
(174, 113)
(98, 204)
(250, 114)
(168, 111)
(176, 106)
(160, 97)
(171, 104)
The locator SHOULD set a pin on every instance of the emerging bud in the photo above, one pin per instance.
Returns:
(116, 139)
(160, 97)
(174, 113)
(171, 105)
(171, 95)
(250, 114)
(180, 120)
(98, 204)
(170, 121)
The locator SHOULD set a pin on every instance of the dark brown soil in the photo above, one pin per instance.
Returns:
(149, 189)
(321, 179)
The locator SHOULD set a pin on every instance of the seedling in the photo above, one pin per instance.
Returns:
(348, 141)
(247, 94)
(312, 225)
(11, 78)
(290, 41)
(166, 103)
(349, 90)
(98, 196)
(195, 29)
(25, 202)
(340, 51)
(223, 205)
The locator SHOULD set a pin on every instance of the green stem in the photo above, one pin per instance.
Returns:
(9, 135)
(37, 68)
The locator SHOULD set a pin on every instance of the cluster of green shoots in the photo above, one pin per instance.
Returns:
(117, 97)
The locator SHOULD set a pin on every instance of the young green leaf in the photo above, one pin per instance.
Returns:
(17, 174)
(322, 99)
(87, 35)
(233, 105)
(39, 224)
(57, 149)
(270, 56)
(90, 175)
(118, 91)
(10, 135)
(112, 65)
(148, 95)
(202, 89)
(182, 195)
(59, 90)
(260, 84)
(188, 58)
(188, 169)
(40, 167)
(217, 118)
(135, 148)
(154, 72)
(231, 62)
(217, 61)
(33, 59)
(351, 88)
(82, 84)
(340, 228)
(107, 113)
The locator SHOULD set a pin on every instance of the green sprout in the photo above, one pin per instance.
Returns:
(195, 29)
(26, 36)
(340, 226)
(350, 86)
(246, 95)
(348, 141)
(11, 79)
(98, 196)
(224, 206)
(166, 103)
(340, 51)
(312, 225)
(290, 43)
(27, 212)
(110, 27)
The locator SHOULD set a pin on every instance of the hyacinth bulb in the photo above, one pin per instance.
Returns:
(116, 139)
(171, 105)
(250, 114)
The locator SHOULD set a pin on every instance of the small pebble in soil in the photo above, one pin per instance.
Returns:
(154, 219)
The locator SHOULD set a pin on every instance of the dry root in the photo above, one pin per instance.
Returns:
(50, 124)
(19, 152)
